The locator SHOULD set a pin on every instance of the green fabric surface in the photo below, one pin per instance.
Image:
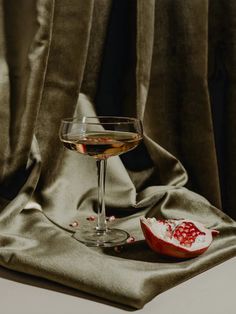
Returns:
(54, 57)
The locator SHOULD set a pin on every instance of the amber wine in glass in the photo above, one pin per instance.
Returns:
(101, 137)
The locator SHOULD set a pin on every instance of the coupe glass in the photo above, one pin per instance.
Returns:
(101, 137)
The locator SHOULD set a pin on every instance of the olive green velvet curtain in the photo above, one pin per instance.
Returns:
(190, 106)
(170, 63)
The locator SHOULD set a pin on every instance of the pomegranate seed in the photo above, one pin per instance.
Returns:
(130, 240)
(91, 218)
(74, 224)
(118, 249)
(111, 218)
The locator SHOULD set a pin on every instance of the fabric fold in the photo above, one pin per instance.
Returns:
(133, 276)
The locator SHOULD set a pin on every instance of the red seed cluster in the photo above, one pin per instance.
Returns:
(186, 233)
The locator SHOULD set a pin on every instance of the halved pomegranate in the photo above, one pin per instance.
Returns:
(177, 237)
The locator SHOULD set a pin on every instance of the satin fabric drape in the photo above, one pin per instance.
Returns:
(59, 58)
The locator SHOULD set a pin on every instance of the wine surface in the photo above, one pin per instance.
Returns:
(102, 145)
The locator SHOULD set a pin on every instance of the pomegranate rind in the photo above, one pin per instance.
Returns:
(167, 248)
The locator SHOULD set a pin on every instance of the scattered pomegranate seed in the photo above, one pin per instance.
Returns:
(118, 249)
(111, 218)
(130, 240)
(74, 224)
(91, 218)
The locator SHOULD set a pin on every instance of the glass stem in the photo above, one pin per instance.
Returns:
(101, 218)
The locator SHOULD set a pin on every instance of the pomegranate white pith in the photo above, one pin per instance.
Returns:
(177, 237)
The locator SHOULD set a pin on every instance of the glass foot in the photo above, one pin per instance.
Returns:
(109, 238)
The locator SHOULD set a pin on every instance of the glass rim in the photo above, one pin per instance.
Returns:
(82, 120)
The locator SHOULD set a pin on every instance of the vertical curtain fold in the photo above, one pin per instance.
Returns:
(63, 77)
(222, 25)
(4, 100)
(178, 114)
